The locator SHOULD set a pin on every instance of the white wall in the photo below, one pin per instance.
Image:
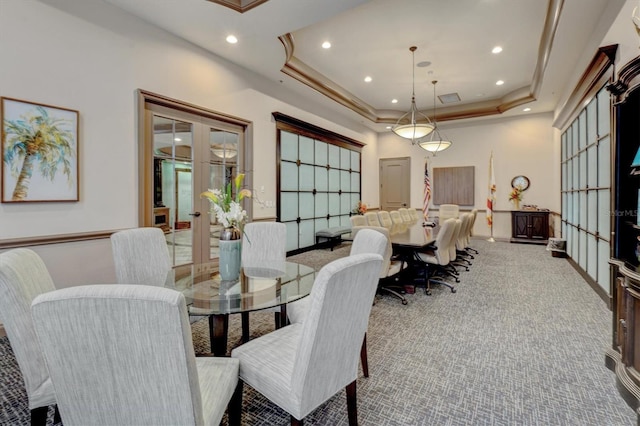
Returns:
(521, 146)
(93, 59)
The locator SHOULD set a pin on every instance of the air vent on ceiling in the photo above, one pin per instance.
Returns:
(449, 98)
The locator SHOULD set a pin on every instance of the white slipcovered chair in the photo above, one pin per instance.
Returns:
(264, 254)
(372, 219)
(141, 256)
(301, 366)
(358, 220)
(23, 276)
(123, 355)
(438, 256)
(385, 219)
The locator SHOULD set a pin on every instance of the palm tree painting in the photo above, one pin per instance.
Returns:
(39, 152)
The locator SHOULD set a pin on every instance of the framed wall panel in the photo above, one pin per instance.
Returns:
(453, 185)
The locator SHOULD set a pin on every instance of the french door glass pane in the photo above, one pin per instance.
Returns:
(321, 204)
(334, 204)
(306, 205)
(306, 177)
(604, 213)
(292, 235)
(307, 235)
(288, 146)
(306, 149)
(355, 182)
(288, 176)
(355, 161)
(322, 178)
(288, 206)
(604, 162)
(334, 180)
(321, 153)
(334, 156)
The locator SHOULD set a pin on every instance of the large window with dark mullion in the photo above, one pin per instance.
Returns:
(586, 188)
(319, 182)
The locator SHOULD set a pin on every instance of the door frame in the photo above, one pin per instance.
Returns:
(406, 184)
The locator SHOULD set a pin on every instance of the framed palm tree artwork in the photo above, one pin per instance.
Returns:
(39, 152)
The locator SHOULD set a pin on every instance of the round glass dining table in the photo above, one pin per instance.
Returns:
(257, 288)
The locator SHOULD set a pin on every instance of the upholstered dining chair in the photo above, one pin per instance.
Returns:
(123, 355)
(264, 249)
(358, 220)
(437, 256)
(372, 219)
(23, 276)
(369, 241)
(141, 256)
(404, 213)
(301, 366)
(385, 219)
(395, 216)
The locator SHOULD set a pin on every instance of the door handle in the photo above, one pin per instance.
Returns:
(196, 214)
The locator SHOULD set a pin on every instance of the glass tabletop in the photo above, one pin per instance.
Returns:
(257, 288)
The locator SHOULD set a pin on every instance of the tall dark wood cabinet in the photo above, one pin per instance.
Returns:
(529, 226)
(623, 357)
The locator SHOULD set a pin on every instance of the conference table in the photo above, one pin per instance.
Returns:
(257, 288)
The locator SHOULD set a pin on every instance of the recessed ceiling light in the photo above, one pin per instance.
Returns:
(496, 50)
(394, 101)
(368, 79)
(527, 109)
(177, 139)
(423, 64)
(499, 83)
(388, 127)
(326, 45)
(231, 39)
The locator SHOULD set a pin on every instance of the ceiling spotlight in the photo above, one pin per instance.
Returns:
(499, 83)
(177, 139)
(527, 109)
(326, 45)
(368, 79)
(394, 101)
(231, 39)
(414, 129)
(496, 50)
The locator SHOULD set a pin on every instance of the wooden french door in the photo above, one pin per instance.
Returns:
(190, 154)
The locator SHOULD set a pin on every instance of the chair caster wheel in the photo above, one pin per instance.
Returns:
(404, 302)
(428, 292)
(453, 290)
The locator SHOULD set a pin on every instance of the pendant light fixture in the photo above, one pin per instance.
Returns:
(435, 142)
(413, 130)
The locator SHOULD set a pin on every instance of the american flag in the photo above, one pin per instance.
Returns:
(427, 192)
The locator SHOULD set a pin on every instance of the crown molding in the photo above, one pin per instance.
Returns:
(310, 77)
(239, 5)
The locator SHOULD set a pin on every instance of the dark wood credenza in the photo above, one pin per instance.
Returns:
(529, 226)
(624, 355)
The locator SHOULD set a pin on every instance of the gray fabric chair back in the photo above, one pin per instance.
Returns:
(358, 220)
(264, 246)
(396, 217)
(372, 219)
(141, 256)
(366, 242)
(385, 219)
(341, 299)
(119, 355)
(404, 213)
(23, 276)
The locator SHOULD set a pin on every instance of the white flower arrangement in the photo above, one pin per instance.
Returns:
(228, 210)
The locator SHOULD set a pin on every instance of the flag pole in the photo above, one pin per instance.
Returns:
(491, 198)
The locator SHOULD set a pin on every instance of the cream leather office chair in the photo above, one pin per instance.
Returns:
(301, 366)
(358, 220)
(404, 213)
(122, 354)
(395, 216)
(385, 219)
(447, 211)
(372, 219)
(438, 256)
(413, 213)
